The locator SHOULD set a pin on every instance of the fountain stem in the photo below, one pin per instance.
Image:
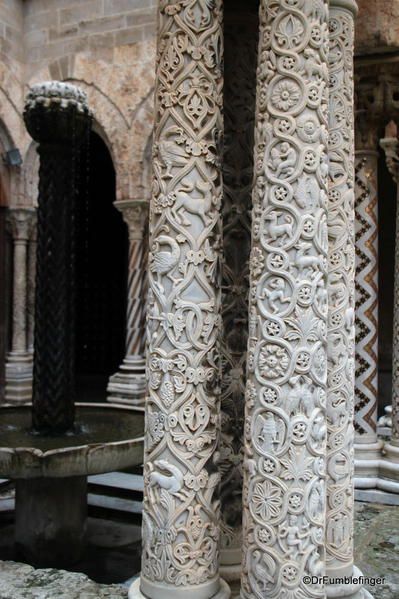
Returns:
(57, 117)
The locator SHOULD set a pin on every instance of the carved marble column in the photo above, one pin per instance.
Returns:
(32, 249)
(341, 305)
(181, 479)
(128, 384)
(367, 446)
(389, 468)
(19, 360)
(284, 494)
(240, 47)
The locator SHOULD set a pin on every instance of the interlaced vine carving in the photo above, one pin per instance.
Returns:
(181, 506)
(341, 296)
(285, 428)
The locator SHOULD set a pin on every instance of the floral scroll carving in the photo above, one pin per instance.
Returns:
(181, 505)
(285, 424)
(341, 296)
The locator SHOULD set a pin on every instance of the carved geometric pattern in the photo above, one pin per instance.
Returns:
(181, 479)
(285, 426)
(366, 293)
(341, 296)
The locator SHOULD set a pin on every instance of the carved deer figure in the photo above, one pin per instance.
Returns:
(277, 230)
(172, 483)
(199, 206)
(304, 261)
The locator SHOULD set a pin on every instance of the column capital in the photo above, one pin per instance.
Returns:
(20, 222)
(135, 215)
(390, 145)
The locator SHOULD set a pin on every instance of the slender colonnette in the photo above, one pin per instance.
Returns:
(181, 507)
(285, 435)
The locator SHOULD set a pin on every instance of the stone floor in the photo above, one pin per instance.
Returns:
(377, 546)
(115, 554)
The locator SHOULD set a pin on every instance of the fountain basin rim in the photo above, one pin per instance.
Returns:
(82, 459)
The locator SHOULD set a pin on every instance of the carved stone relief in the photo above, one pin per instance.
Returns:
(341, 296)
(181, 505)
(285, 425)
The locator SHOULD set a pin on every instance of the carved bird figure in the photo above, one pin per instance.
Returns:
(163, 262)
(170, 152)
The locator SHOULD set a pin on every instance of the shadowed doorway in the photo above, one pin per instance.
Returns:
(101, 274)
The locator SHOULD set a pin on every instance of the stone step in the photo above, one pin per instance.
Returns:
(118, 480)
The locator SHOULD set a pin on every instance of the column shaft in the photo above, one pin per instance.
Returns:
(181, 507)
(285, 434)
(341, 296)
(32, 248)
(19, 361)
(128, 384)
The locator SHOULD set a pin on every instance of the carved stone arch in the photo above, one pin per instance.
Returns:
(8, 177)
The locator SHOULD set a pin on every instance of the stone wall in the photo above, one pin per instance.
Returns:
(377, 26)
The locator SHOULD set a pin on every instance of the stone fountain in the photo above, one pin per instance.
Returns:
(50, 446)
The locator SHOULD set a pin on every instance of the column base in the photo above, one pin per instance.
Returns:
(19, 377)
(367, 459)
(223, 592)
(348, 591)
(128, 385)
(230, 564)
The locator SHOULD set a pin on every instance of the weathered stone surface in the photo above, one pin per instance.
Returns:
(377, 546)
(377, 26)
(20, 581)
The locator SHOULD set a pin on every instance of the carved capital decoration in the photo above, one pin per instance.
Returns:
(285, 425)
(135, 215)
(181, 506)
(21, 223)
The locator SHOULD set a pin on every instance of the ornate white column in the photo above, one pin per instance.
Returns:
(19, 360)
(389, 468)
(284, 494)
(367, 446)
(240, 47)
(32, 248)
(341, 306)
(181, 479)
(128, 384)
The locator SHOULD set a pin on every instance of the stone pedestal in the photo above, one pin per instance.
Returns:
(128, 384)
(180, 553)
(19, 360)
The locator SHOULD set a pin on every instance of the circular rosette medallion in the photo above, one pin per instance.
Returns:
(299, 426)
(269, 432)
(272, 363)
(275, 295)
(266, 500)
(265, 535)
(295, 503)
(290, 574)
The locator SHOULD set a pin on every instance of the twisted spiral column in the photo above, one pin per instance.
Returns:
(19, 360)
(128, 384)
(284, 494)
(181, 479)
(58, 118)
(32, 250)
